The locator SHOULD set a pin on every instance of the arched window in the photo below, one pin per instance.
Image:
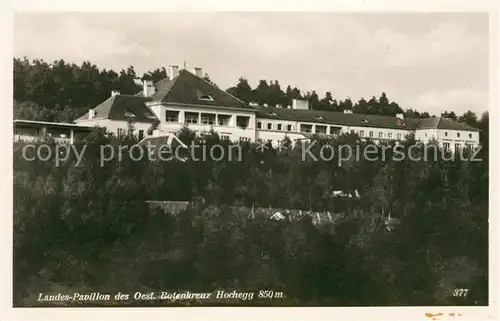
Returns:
(206, 97)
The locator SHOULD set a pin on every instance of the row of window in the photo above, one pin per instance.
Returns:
(371, 134)
(288, 128)
(209, 119)
(121, 133)
(305, 128)
(458, 134)
(206, 119)
(446, 146)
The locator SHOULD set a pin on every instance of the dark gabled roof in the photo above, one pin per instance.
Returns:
(428, 123)
(156, 142)
(336, 118)
(186, 88)
(123, 107)
(445, 123)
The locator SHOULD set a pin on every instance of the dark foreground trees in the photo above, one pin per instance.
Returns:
(88, 228)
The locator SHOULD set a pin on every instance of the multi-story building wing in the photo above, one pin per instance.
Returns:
(186, 99)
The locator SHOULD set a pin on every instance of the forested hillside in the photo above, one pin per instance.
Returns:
(88, 229)
(62, 91)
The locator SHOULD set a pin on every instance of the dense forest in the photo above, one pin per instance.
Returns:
(88, 228)
(62, 91)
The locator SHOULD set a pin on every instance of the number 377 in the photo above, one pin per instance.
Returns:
(460, 292)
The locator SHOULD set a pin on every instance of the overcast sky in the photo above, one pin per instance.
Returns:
(426, 61)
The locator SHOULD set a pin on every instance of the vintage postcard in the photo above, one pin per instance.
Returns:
(180, 159)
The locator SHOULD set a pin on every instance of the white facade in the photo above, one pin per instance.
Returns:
(117, 127)
(426, 135)
(243, 125)
(378, 134)
(233, 124)
(457, 139)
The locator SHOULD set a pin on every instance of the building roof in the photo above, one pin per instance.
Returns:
(446, 123)
(428, 123)
(187, 88)
(156, 142)
(443, 123)
(328, 117)
(35, 123)
(123, 107)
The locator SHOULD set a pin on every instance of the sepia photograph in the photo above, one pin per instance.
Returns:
(251, 159)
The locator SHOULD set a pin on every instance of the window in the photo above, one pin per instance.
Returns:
(269, 126)
(361, 133)
(470, 135)
(399, 136)
(120, 132)
(370, 133)
(446, 146)
(389, 135)
(289, 128)
(242, 121)
(380, 135)
(445, 133)
(141, 134)
(171, 116)
(457, 147)
(191, 118)
(321, 129)
(244, 139)
(206, 97)
(128, 113)
(304, 128)
(259, 125)
(224, 137)
(425, 134)
(208, 119)
(280, 127)
(224, 120)
(458, 134)
(352, 131)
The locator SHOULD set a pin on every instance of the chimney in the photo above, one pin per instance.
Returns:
(173, 71)
(400, 116)
(347, 111)
(300, 104)
(198, 72)
(91, 114)
(148, 88)
(114, 93)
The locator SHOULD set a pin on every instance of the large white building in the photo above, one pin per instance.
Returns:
(186, 99)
